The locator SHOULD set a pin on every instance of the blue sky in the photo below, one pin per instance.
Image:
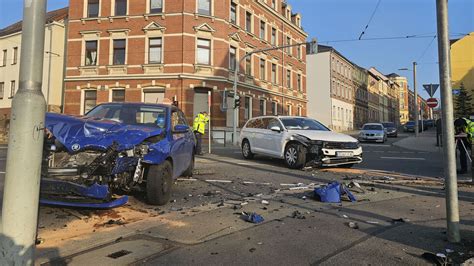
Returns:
(332, 20)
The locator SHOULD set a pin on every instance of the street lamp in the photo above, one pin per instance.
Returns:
(237, 65)
(416, 95)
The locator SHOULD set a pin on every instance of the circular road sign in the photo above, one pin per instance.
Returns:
(432, 102)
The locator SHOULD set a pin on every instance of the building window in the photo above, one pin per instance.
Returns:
(247, 107)
(232, 58)
(263, 27)
(118, 95)
(4, 57)
(289, 109)
(273, 40)
(248, 21)
(204, 7)
(233, 13)
(2, 89)
(119, 52)
(274, 5)
(288, 79)
(288, 42)
(262, 69)
(248, 66)
(262, 107)
(155, 51)
(156, 6)
(274, 108)
(91, 53)
(120, 7)
(300, 56)
(90, 100)
(274, 71)
(298, 82)
(204, 52)
(92, 8)
(300, 111)
(15, 55)
(12, 88)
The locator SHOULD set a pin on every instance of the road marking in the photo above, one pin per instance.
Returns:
(403, 158)
(393, 152)
(375, 145)
(379, 151)
(409, 152)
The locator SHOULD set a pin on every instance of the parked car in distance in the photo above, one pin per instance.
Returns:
(116, 147)
(373, 132)
(300, 141)
(391, 129)
(410, 126)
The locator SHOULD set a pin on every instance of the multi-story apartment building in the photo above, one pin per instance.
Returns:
(146, 51)
(361, 110)
(10, 43)
(331, 91)
(374, 95)
(393, 102)
(403, 96)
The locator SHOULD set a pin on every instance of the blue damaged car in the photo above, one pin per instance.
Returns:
(115, 147)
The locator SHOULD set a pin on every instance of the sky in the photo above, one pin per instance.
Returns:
(333, 20)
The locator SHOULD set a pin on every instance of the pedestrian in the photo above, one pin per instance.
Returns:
(199, 128)
(464, 131)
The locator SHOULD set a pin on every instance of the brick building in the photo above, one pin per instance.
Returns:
(146, 51)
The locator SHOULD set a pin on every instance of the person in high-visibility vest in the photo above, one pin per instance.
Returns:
(199, 128)
(464, 126)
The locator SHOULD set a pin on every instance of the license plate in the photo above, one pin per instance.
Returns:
(344, 154)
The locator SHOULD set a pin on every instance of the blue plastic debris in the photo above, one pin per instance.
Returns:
(93, 205)
(252, 217)
(332, 193)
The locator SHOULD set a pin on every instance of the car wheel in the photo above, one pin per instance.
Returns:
(295, 156)
(246, 150)
(159, 182)
(189, 171)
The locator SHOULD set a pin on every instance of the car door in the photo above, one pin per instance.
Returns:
(179, 150)
(250, 132)
(189, 142)
(272, 140)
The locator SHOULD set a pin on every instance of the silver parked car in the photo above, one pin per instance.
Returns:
(373, 132)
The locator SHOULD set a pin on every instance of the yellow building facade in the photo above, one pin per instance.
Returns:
(462, 63)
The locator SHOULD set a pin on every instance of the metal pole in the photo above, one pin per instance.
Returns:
(209, 103)
(449, 151)
(50, 28)
(417, 111)
(25, 144)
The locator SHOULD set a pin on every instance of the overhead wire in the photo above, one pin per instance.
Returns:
(370, 20)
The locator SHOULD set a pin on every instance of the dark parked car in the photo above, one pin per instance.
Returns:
(391, 129)
(410, 126)
(116, 147)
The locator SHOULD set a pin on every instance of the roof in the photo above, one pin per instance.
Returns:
(393, 75)
(326, 48)
(55, 15)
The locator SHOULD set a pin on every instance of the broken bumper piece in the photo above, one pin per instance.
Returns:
(69, 194)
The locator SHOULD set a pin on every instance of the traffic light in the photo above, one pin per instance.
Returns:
(237, 102)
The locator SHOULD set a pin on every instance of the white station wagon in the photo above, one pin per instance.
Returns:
(300, 141)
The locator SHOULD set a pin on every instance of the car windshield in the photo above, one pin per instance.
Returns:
(131, 114)
(372, 127)
(388, 124)
(300, 123)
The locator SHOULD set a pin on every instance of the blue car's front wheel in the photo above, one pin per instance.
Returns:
(159, 181)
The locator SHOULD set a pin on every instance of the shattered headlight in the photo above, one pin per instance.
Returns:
(141, 149)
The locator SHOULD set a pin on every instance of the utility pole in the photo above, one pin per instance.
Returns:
(417, 110)
(449, 148)
(25, 143)
(236, 79)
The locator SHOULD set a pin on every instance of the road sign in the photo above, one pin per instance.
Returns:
(431, 88)
(432, 102)
(456, 92)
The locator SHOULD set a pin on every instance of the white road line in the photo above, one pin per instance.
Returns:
(409, 152)
(379, 151)
(403, 158)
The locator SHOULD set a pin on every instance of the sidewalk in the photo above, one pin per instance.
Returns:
(426, 141)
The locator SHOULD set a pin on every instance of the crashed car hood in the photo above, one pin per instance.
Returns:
(329, 136)
(79, 133)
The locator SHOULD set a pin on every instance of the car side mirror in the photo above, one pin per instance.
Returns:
(180, 129)
(276, 129)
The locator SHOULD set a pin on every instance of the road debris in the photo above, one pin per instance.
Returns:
(372, 222)
(437, 259)
(400, 220)
(252, 249)
(297, 215)
(114, 222)
(332, 193)
(265, 202)
(353, 225)
(252, 217)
